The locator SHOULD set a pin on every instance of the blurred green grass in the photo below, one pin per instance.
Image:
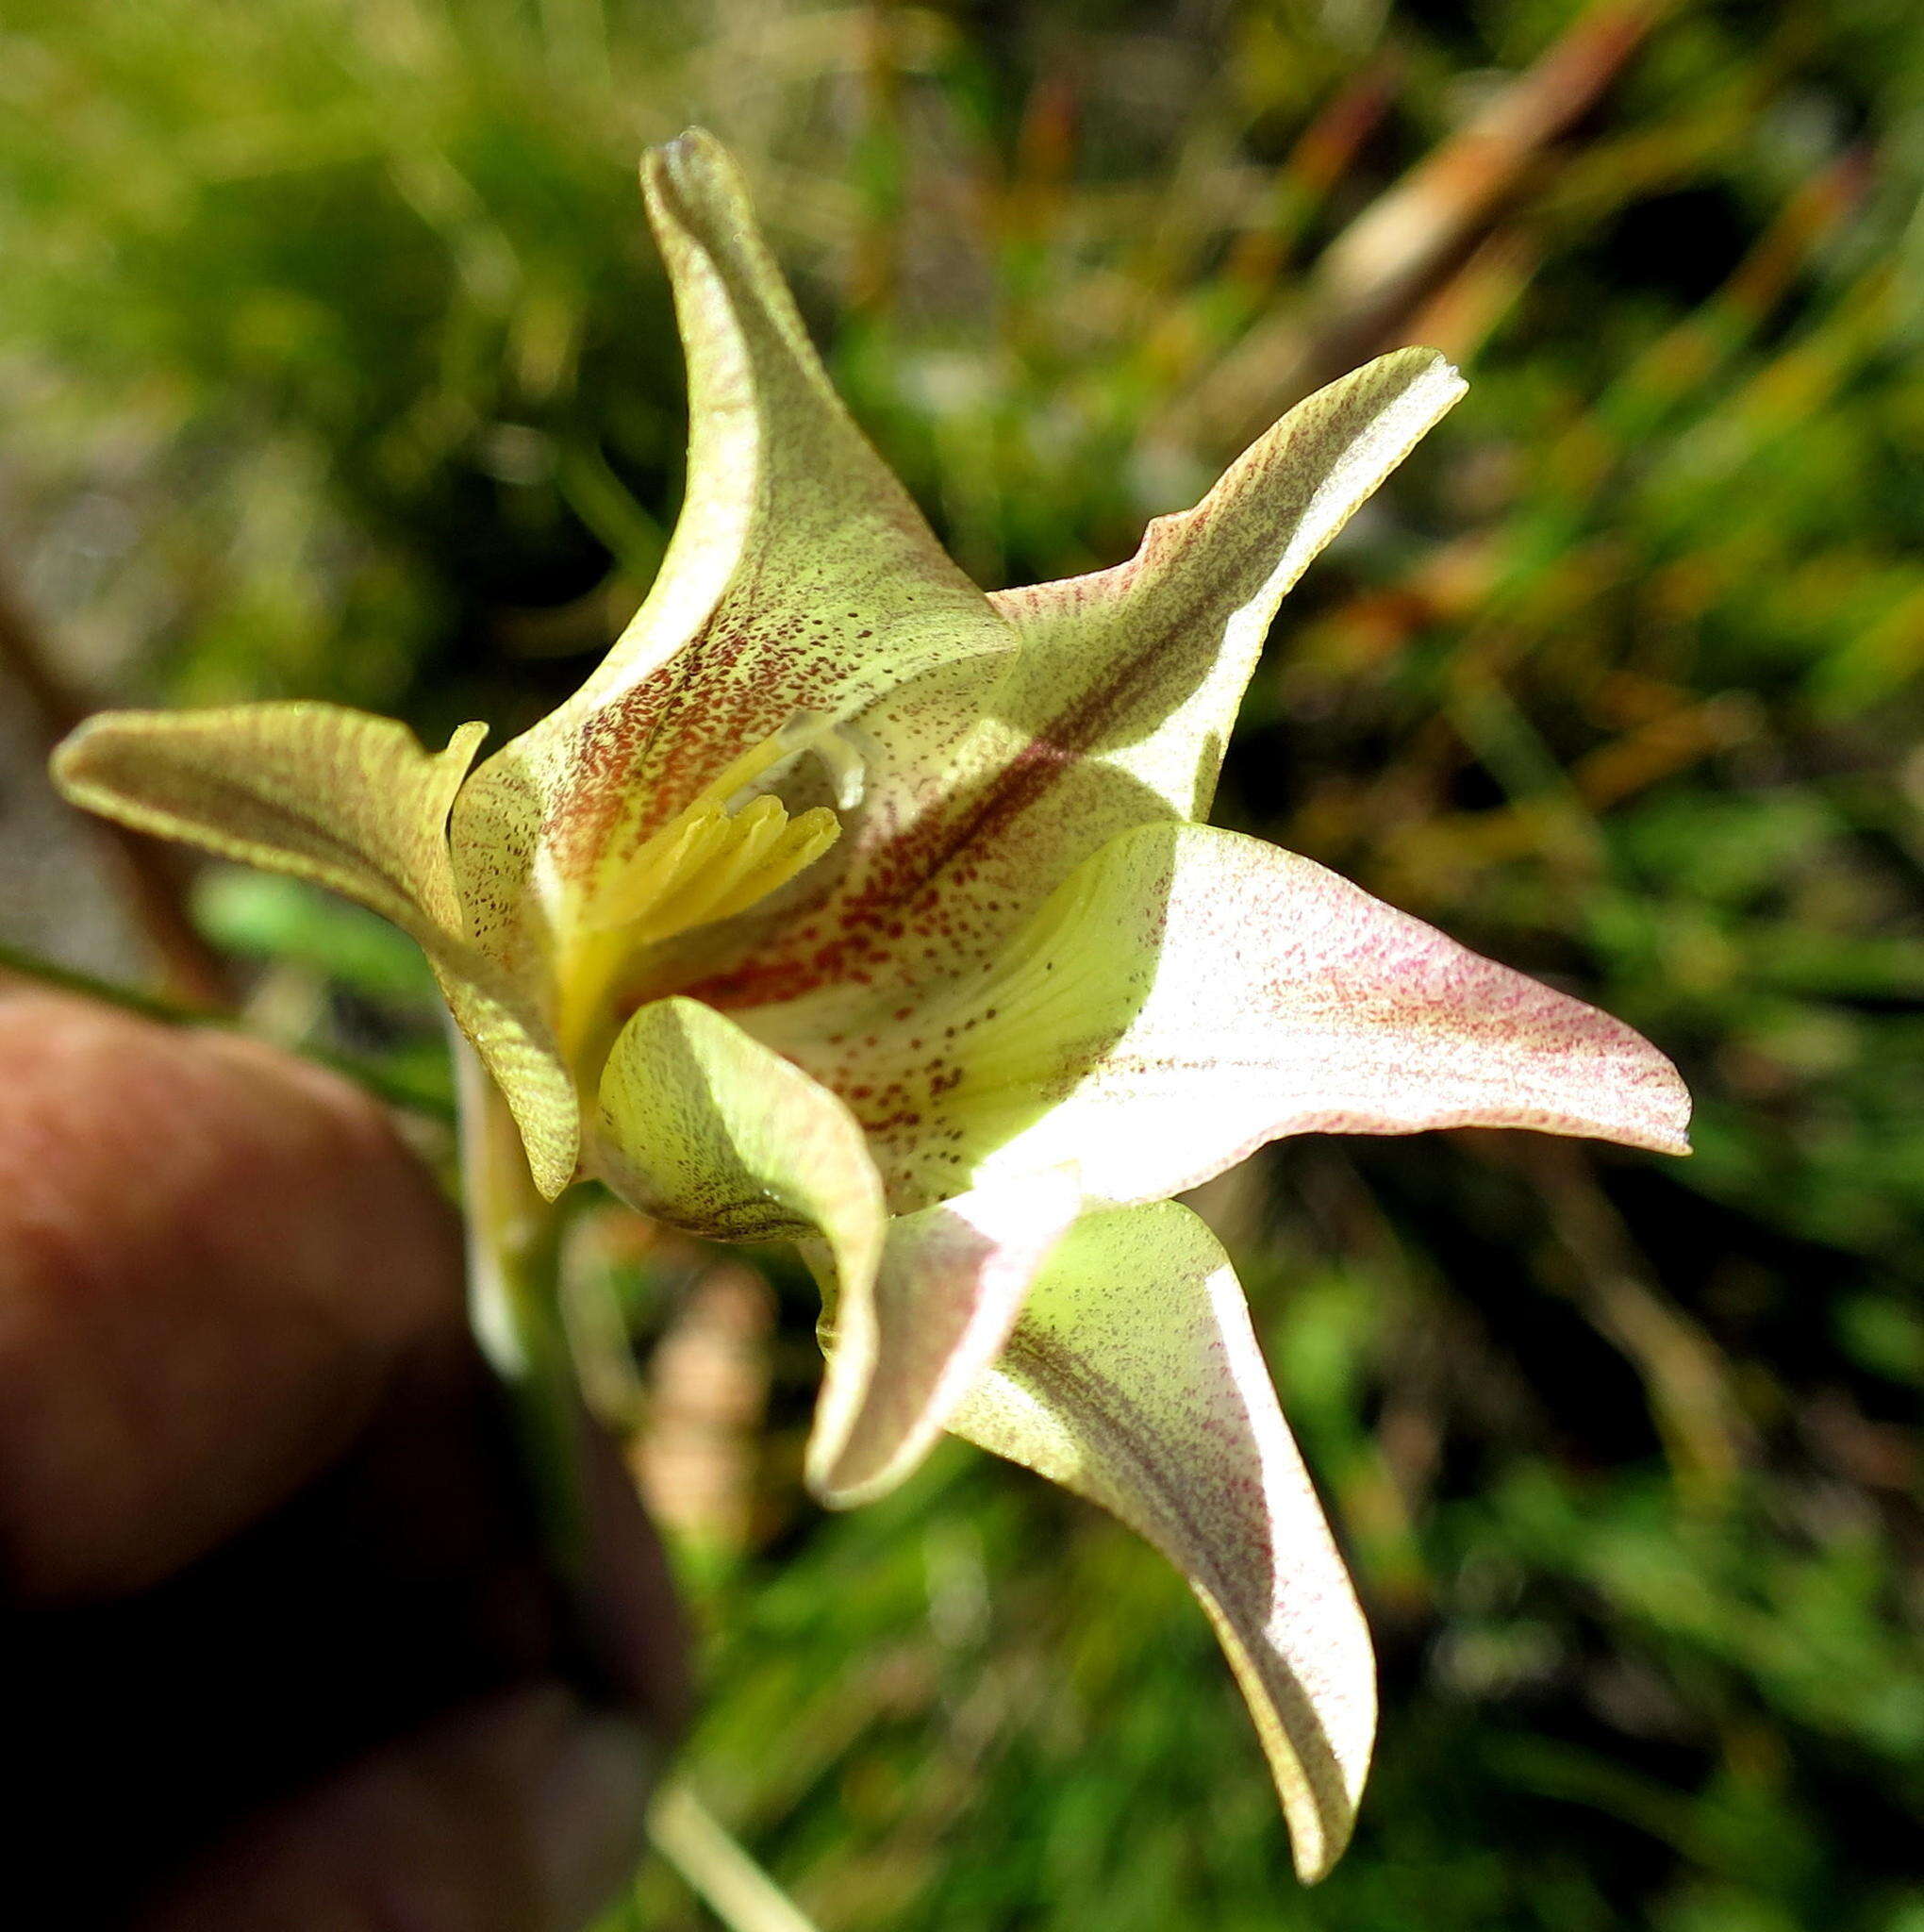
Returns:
(334, 361)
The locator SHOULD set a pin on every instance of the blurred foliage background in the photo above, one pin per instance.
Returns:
(334, 361)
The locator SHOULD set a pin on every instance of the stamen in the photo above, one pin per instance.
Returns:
(800, 844)
(725, 790)
(729, 848)
(687, 844)
(838, 747)
(707, 863)
(699, 894)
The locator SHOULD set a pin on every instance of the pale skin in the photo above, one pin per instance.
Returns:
(275, 1644)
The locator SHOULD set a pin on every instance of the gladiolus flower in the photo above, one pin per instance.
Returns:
(847, 904)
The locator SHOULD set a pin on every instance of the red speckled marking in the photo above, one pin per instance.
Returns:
(915, 885)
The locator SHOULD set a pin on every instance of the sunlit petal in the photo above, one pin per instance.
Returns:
(801, 583)
(702, 1126)
(948, 1289)
(1133, 1377)
(350, 802)
(1114, 715)
(1189, 994)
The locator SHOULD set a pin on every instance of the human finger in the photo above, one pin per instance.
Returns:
(211, 1257)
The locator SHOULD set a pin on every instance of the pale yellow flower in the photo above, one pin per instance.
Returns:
(844, 903)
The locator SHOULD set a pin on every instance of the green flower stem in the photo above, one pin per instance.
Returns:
(716, 1869)
(132, 999)
(514, 1289)
(129, 999)
(514, 1300)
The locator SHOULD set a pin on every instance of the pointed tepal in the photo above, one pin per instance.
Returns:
(847, 905)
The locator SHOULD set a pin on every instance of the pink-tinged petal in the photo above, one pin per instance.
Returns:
(1114, 715)
(1133, 1377)
(1189, 994)
(800, 580)
(948, 1289)
(1144, 666)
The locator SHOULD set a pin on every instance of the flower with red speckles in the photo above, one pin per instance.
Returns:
(847, 904)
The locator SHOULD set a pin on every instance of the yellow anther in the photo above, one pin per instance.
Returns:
(707, 863)
(796, 845)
